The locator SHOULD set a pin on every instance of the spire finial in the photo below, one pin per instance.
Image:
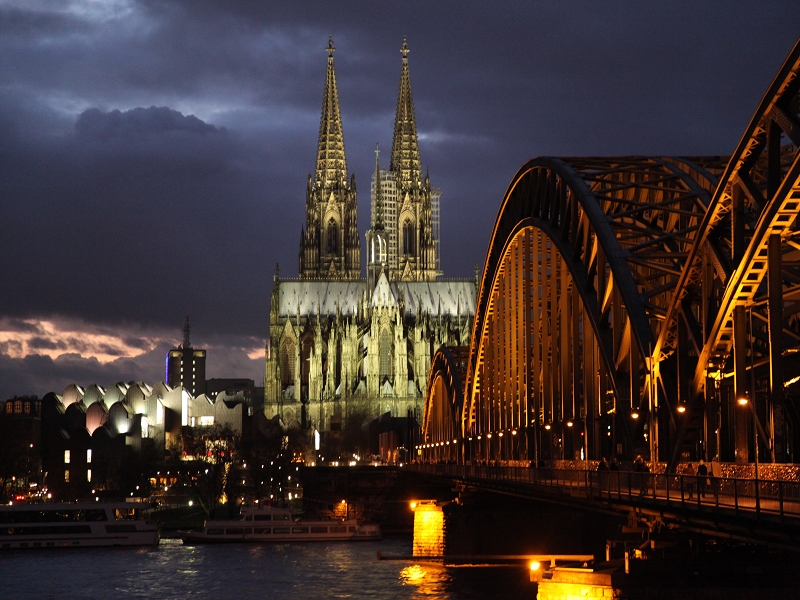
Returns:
(330, 49)
(404, 50)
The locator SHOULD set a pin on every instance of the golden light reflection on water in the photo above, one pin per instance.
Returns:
(429, 580)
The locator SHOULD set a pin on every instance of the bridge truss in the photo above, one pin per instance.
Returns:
(638, 305)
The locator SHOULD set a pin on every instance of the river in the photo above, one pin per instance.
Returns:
(242, 571)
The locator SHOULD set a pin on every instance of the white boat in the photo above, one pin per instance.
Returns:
(274, 524)
(76, 525)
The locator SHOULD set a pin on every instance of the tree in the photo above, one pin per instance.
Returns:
(211, 465)
(16, 466)
(270, 455)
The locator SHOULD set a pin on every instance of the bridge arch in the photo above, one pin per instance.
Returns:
(627, 286)
(582, 259)
(444, 405)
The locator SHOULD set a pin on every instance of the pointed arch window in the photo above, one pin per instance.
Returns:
(333, 237)
(385, 350)
(288, 361)
(408, 237)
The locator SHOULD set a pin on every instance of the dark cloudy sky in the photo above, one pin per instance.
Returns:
(154, 154)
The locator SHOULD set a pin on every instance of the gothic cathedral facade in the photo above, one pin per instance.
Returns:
(341, 344)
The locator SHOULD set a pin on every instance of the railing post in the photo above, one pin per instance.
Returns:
(758, 498)
(780, 498)
(736, 497)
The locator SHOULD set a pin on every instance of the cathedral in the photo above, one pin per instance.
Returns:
(342, 343)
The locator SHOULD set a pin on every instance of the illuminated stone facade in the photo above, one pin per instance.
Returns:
(85, 432)
(340, 343)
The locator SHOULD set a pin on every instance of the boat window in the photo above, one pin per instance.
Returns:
(319, 530)
(234, 530)
(215, 531)
(280, 518)
(260, 530)
(263, 517)
(45, 530)
(338, 529)
(281, 529)
(52, 516)
(352, 529)
(248, 518)
(299, 529)
(125, 514)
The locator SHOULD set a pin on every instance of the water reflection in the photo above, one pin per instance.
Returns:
(429, 579)
(274, 571)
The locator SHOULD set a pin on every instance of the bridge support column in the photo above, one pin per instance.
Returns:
(428, 528)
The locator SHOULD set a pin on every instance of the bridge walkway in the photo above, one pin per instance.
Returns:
(763, 510)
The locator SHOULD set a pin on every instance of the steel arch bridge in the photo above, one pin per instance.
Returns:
(638, 305)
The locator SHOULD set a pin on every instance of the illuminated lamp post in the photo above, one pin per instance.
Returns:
(744, 401)
(653, 416)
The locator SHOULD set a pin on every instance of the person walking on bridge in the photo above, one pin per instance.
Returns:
(702, 479)
(690, 475)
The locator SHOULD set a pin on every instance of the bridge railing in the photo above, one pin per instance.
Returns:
(771, 498)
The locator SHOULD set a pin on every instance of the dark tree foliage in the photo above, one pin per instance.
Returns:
(18, 465)
(211, 465)
(355, 437)
(270, 455)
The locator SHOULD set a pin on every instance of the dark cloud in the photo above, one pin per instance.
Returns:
(94, 124)
(40, 343)
(130, 217)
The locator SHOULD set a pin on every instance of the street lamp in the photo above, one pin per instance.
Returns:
(743, 401)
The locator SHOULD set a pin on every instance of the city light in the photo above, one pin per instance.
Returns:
(743, 401)
(535, 565)
(635, 414)
(681, 408)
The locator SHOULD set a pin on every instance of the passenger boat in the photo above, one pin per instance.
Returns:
(274, 524)
(76, 525)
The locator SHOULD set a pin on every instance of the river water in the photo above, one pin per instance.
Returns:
(242, 571)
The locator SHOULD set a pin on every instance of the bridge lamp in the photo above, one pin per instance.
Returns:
(535, 565)
(547, 426)
(681, 408)
(635, 414)
(489, 436)
(743, 401)
(513, 432)
(500, 434)
(569, 423)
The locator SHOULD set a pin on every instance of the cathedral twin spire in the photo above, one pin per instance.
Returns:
(330, 246)
(331, 159)
(405, 148)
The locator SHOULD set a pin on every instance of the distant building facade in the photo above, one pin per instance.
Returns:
(341, 343)
(86, 433)
(186, 366)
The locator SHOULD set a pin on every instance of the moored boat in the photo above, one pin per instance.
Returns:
(76, 525)
(274, 524)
